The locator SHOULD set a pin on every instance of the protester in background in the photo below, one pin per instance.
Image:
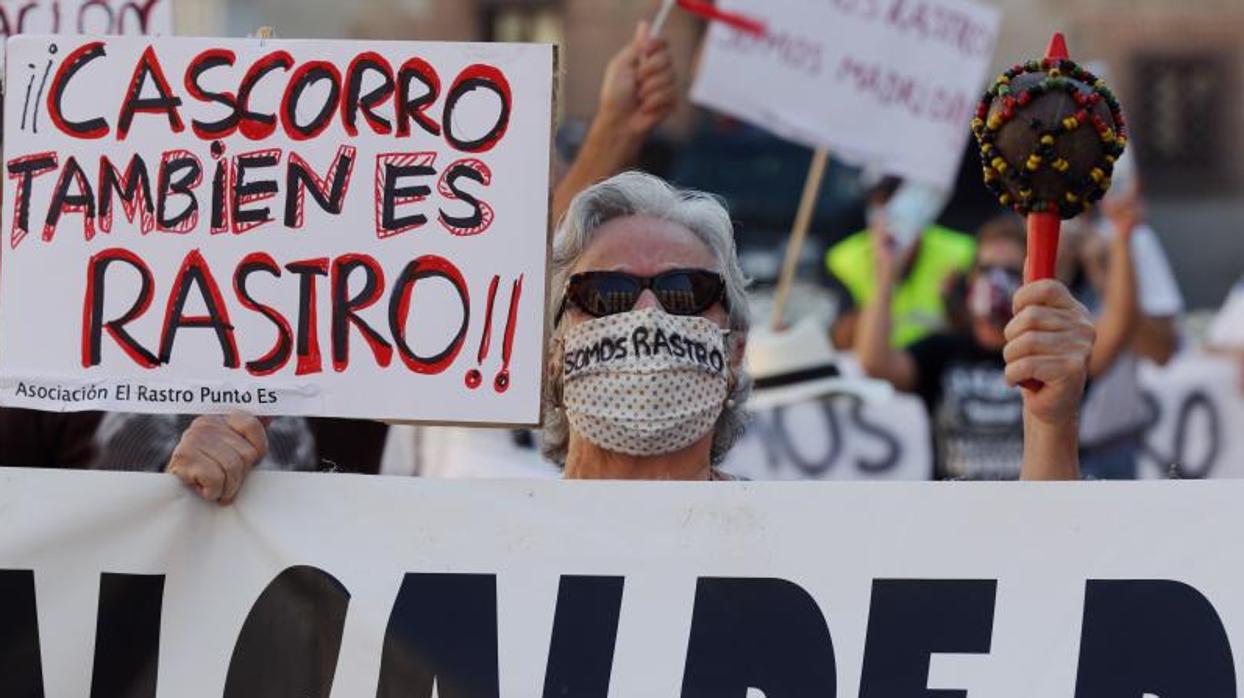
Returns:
(983, 426)
(1124, 272)
(1226, 331)
(929, 255)
(649, 326)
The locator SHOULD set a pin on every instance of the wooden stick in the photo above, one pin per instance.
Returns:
(658, 23)
(803, 219)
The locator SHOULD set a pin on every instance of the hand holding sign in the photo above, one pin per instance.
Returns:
(217, 452)
(640, 88)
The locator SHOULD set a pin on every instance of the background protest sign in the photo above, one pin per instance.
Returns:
(1195, 412)
(311, 585)
(352, 229)
(124, 17)
(836, 438)
(887, 83)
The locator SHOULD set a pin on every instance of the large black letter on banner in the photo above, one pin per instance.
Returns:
(289, 643)
(767, 634)
(127, 635)
(911, 619)
(585, 631)
(443, 632)
(21, 664)
(1152, 636)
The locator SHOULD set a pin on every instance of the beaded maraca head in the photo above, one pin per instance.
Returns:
(1049, 133)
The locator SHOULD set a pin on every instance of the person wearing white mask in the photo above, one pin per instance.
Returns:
(649, 326)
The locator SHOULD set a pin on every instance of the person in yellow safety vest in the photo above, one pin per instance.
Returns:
(935, 255)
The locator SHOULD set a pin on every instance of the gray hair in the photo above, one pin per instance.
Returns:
(640, 194)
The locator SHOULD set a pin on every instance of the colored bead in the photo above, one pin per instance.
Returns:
(995, 122)
(1024, 98)
(1025, 194)
(1061, 165)
(1071, 198)
(1097, 175)
(1005, 199)
(1070, 123)
(1047, 139)
(999, 164)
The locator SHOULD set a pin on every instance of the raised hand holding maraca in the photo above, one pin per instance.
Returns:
(1050, 133)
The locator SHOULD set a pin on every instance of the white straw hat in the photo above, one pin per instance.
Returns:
(798, 364)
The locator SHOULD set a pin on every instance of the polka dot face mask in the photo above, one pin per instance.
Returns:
(644, 382)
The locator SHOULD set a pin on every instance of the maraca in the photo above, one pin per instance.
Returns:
(1050, 133)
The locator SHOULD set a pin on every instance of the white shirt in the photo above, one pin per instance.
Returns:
(1114, 404)
(1227, 329)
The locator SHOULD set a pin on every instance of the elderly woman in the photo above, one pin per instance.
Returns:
(649, 325)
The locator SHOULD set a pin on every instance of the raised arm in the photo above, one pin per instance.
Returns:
(638, 92)
(1049, 340)
(872, 331)
(1116, 327)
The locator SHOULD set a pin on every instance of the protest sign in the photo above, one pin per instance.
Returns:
(354, 229)
(887, 83)
(1196, 408)
(124, 17)
(315, 585)
(836, 438)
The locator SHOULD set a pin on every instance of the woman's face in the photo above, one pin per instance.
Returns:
(645, 246)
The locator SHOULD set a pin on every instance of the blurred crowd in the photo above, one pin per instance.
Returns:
(920, 305)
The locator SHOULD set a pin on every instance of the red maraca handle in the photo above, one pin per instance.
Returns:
(1042, 252)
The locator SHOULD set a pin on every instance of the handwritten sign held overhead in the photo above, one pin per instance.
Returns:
(125, 17)
(887, 83)
(284, 227)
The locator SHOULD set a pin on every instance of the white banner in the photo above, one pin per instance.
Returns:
(888, 83)
(332, 228)
(127, 586)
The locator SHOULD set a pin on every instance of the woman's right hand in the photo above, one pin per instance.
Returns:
(217, 452)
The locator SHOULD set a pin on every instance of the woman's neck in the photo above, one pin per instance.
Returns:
(587, 461)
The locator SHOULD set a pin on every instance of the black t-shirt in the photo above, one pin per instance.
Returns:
(977, 419)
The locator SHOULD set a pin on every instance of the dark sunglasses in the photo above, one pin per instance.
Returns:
(679, 291)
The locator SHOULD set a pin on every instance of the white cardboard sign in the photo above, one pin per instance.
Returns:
(836, 438)
(354, 229)
(329, 585)
(1196, 409)
(886, 83)
(124, 17)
